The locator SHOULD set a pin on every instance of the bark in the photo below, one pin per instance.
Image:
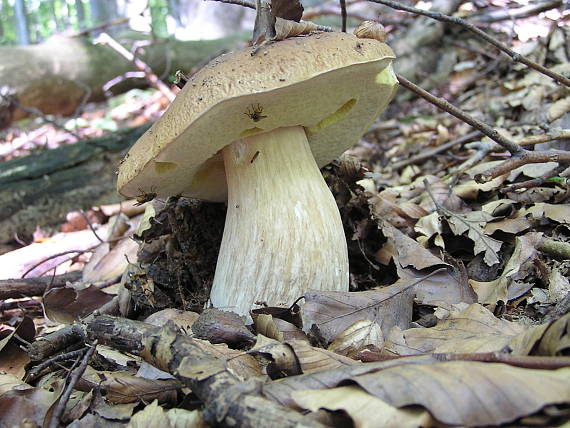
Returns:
(227, 401)
(42, 188)
(28, 287)
(58, 75)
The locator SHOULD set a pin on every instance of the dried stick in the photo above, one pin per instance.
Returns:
(343, 14)
(74, 376)
(139, 63)
(516, 57)
(37, 370)
(535, 182)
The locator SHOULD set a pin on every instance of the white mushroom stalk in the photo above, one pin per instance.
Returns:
(283, 233)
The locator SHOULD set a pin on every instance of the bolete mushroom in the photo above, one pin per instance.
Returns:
(254, 130)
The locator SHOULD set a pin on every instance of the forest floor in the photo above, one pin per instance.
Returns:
(458, 313)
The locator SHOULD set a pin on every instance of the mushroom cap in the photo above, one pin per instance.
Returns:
(333, 84)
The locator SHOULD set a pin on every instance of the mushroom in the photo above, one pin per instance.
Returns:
(254, 130)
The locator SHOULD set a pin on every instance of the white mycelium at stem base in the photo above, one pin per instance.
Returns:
(283, 232)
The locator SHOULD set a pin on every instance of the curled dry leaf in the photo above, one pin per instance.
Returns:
(278, 358)
(155, 416)
(371, 30)
(357, 336)
(278, 329)
(285, 28)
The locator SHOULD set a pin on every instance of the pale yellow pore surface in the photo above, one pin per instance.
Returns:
(332, 84)
(283, 232)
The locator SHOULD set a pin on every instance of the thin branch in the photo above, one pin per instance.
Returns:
(520, 156)
(443, 104)
(74, 376)
(535, 182)
(152, 78)
(343, 14)
(438, 16)
(523, 159)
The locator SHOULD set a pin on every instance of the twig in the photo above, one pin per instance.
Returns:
(535, 182)
(74, 376)
(343, 14)
(53, 256)
(438, 16)
(139, 63)
(35, 372)
(426, 154)
(524, 159)
(443, 104)
(91, 226)
(102, 26)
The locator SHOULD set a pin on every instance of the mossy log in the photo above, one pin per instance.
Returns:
(40, 189)
(57, 75)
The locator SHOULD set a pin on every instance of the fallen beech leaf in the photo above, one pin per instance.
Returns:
(469, 393)
(67, 304)
(365, 410)
(314, 359)
(332, 312)
(32, 403)
(559, 212)
(474, 330)
(13, 359)
(124, 387)
(516, 269)
(556, 340)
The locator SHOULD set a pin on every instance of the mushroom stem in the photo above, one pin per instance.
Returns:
(283, 232)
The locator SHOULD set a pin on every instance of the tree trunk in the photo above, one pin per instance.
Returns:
(21, 23)
(42, 188)
(55, 76)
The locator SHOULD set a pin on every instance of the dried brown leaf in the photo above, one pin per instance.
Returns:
(332, 312)
(474, 330)
(469, 393)
(516, 270)
(365, 410)
(357, 336)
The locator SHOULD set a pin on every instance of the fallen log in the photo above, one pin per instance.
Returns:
(40, 189)
(57, 76)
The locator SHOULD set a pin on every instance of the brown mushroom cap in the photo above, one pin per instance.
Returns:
(333, 84)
